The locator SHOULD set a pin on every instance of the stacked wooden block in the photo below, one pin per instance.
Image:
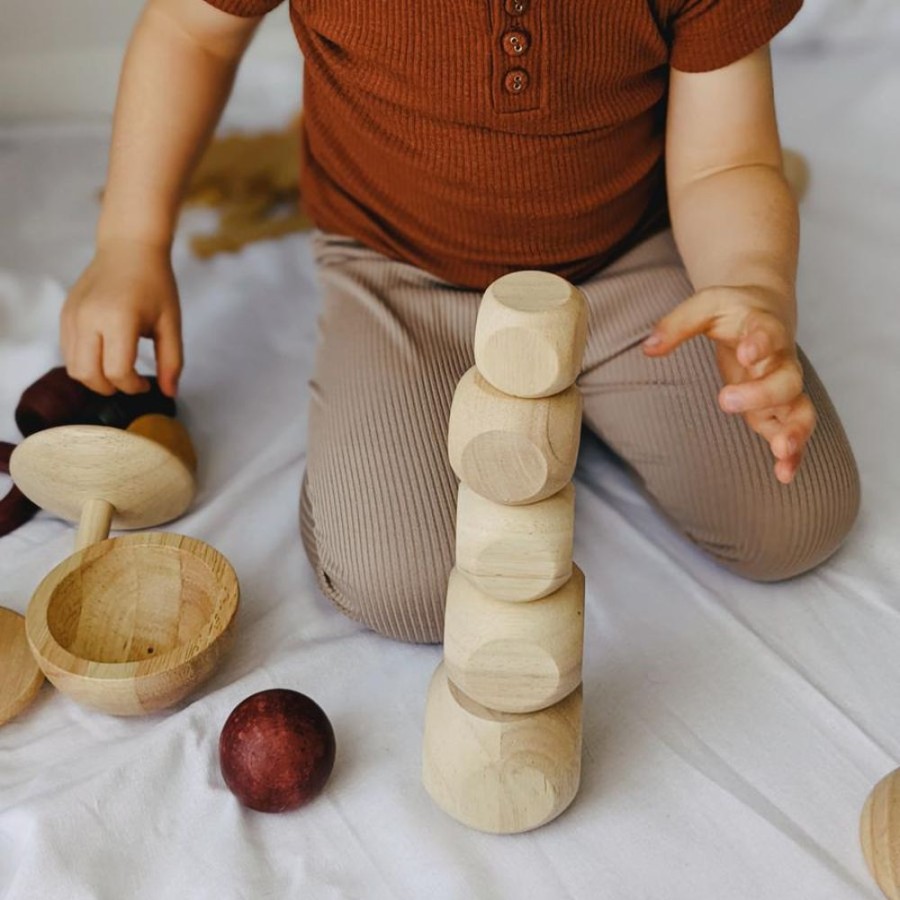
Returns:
(502, 745)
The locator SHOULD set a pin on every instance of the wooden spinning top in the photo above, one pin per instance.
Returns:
(108, 477)
(133, 624)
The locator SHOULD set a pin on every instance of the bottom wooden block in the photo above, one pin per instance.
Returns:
(500, 772)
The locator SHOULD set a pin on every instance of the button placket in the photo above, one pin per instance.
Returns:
(517, 60)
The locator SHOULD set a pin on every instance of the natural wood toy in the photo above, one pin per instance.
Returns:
(133, 624)
(530, 335)
(56, 399)
(512, 450)
(276, 750)
(502, 742)
(514, 657)
(515, 553)
(879, 831)
(500, 772)
(20, 676)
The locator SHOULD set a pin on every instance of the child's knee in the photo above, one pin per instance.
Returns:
(786, 542)
(395, 589)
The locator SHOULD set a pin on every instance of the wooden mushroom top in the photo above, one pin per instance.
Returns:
(147, 480)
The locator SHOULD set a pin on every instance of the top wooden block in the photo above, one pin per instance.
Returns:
(530, 334)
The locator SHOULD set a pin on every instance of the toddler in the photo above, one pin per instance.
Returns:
(628, 145)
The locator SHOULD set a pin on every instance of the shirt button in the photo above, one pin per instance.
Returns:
(516, 7)
(515, 43)
(515, 81)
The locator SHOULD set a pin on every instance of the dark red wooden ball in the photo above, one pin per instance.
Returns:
(276, 750)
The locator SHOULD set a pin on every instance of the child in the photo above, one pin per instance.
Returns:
(444, 145)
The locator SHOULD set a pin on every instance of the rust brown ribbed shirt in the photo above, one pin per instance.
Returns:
(475, 137)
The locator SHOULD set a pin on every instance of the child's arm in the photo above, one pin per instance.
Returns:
(175, 80)
(736, 225)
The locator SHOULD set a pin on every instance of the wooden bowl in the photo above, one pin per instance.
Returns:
(133, 624)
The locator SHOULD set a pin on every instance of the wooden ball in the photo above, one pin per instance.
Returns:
(879, 832)
(500, 772)
(276, 750)
(530, 334)
(514, 657)
(170, 433)
(511, 450)
(515, 553)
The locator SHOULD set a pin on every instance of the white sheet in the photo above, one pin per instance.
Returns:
(732, 730)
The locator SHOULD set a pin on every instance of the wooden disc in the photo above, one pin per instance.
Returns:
(879, 826)
(60, 469)
(20, 676)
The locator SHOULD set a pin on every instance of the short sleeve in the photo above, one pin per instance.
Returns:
(710, 34)
(247, 8)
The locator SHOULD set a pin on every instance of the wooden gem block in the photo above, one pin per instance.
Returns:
(530, 334)
(515, 553)
(511, 450)
(879, 832)
(514, 657)
(500, 772)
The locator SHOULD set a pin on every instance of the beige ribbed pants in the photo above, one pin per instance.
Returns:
(378, 499)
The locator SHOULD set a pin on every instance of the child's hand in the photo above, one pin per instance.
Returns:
(754, 334)
(126, 293)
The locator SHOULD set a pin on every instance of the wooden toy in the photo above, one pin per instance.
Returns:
(276, 750)
(500, 772)
(879, 831)
(515, 553)
(56, 399)
(502, 742)
(530, 335)
(510, 450)
(133, 624)
(20, 676)
(514, 657)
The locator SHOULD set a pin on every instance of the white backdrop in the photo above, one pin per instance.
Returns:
(61, 58)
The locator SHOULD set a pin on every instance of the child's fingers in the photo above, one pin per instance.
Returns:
(690, 318)
(779, 387)
(786, 429)
(86, 363)
(786, 469)
(169, 354)
(764, 340)
(119, 357)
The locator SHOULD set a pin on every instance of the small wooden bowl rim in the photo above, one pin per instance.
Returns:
(51, 654)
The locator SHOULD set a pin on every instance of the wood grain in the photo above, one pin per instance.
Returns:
(530, 334)
(510, 450)
(134, 624)
(879, 832)
(500, 772)
(20, 676)
(515, 553)
(62, 468)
